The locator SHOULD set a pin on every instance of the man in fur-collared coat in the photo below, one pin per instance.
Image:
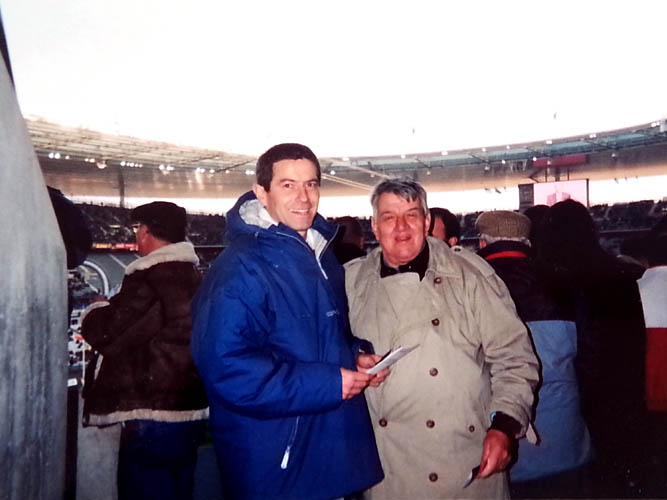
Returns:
(144, 375)
(462, 397)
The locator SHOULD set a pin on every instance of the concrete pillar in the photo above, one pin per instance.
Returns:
(33, 323)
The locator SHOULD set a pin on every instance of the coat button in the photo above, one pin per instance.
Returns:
(433, 477)
(471, 428)
(435, 321)
(430, 424)
(433, 372)
(437, 280)
(383, 422)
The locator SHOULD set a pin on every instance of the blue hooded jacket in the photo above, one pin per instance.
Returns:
(270, 333)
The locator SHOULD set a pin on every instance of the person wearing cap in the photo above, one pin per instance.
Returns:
(557, 466)
(460, 398)
(143, 375)
(272, 341)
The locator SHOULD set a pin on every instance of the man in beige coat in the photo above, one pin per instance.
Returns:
(462, 397)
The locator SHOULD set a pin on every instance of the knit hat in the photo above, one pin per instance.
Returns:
(165, 220)
(503, 224)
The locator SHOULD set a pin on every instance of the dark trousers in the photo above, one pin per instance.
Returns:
(575, 483)
(157, 459)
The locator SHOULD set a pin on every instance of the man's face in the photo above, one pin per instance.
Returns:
(141, 235)
(439, 229)
(400, 226)
(293, 195)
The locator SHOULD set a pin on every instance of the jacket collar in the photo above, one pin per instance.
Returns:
(417, 265)
(505, 249)
(249, 217)
(175, 252)
(439, 258)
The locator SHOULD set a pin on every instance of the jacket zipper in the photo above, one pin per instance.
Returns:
(292, 438)
(303, 242)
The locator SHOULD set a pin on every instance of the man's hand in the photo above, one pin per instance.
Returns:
(366, 361)
(496, 453)
(354, 382)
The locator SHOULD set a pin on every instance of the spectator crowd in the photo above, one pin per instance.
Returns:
(541, 339)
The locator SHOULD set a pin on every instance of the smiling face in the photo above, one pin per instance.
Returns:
(400, 226)
(293, 195)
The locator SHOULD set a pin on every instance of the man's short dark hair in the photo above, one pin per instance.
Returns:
(451, 222)
(279, 152)
(164, 220)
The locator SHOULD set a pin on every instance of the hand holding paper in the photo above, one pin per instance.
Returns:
(390, 358)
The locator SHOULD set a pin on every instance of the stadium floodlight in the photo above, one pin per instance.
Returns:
(122, 163)
(444, 153)
(332, 172)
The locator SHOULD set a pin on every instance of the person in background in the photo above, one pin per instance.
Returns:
(445, 226)
(349, 241)
(75, 232)
(601, 293)
(556, 467)
(462, 397)
(144, 376)
(653, 293)
(273, 344)
(535, 214)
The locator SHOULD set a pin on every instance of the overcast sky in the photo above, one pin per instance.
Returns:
(346, 77)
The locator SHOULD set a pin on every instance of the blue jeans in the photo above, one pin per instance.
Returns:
(157, 459)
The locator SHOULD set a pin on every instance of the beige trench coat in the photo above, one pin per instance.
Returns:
(431, 414)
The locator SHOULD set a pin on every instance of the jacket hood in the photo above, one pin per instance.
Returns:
(249, 217)
(183, 251)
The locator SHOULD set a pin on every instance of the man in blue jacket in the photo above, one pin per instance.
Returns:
(272, 342)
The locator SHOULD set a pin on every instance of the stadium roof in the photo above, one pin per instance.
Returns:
(62, 143)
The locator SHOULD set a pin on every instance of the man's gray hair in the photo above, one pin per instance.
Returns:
(492, 239)
(404, 187)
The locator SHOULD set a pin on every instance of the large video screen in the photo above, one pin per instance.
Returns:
(548, 193)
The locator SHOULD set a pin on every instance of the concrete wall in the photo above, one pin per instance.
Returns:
(33, 323)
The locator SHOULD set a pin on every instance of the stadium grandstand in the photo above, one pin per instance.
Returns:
(120, 169)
